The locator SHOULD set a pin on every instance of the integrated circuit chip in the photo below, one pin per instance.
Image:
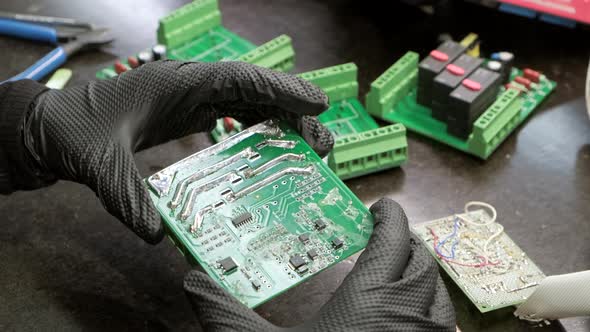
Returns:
(337, 243)
(312, 254)
(228, 265)
(319, 224)
(297, 261)
(242, 219)
(304, 238)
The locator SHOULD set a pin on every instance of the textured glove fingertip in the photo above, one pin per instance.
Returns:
(151, 229)
(316, 135)
(123, 193)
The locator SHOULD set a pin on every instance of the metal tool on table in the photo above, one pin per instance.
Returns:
(69, 35)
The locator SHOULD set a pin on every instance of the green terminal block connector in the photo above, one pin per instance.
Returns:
(361, 146)
(494, 125)
(368, 152)
(195, 33)
(188, 22)
(393, 85)
(393, 98)
(277, 54)
(338, 82)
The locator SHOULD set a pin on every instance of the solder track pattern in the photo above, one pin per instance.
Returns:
(281, 211)
(418, 118)
(217, 44)
(490, 287)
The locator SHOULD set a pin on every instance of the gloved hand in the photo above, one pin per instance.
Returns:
(394, 286)
(88, 134)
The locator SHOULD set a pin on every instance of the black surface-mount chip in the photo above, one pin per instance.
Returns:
(242, 219)
(319, 224)
(312, 254)
(304, 238)
(228, 265)
(337, 243)
(297, 261)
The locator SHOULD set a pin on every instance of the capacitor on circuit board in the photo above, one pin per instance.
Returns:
(144, 57)
(159, 52)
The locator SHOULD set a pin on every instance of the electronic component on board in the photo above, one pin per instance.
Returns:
(120, 67)
(144, 57)
(470, 99)
(507, 61)
(228, 265)
(159, 52)
(337, 243)
(133, 62)
(478, 255)
(242, 219)
(432, 65)
(319, 224)
(448, 80)
(304, 238)
(312, 254)
(258, 202)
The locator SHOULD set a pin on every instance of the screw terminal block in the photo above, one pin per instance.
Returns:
(188, 22)
(393, 85)
(277, 54)
(338, 82)
(368, 152)
(492, 127)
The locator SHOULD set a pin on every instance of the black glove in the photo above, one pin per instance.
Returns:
(394, 286)
(88, 134)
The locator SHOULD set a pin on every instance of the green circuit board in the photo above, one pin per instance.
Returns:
(393, 99)
(217, 44)
(194, 33)
(346, 117)
(361, 146)
(507, 277)
(260, 212)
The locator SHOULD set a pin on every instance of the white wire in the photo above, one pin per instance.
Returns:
(479, 224)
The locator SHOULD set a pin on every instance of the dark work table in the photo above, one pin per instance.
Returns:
(66, 264)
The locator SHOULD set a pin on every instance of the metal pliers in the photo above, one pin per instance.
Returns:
(69, 35)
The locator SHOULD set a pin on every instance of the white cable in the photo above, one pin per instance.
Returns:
(487, 223)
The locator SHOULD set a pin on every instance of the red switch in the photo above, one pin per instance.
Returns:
(455, 70)
(440, 56)
(471, 85)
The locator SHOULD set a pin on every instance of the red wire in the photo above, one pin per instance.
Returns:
(485, 263)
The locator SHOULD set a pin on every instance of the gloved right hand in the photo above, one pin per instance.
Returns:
(394, 286)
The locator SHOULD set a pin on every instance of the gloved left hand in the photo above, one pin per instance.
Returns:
(88, 134)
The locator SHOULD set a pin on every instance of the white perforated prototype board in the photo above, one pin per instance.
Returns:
(506, 278)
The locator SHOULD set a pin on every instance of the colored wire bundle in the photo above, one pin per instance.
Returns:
(455, 235)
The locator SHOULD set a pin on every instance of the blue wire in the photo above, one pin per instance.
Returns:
(454, 245)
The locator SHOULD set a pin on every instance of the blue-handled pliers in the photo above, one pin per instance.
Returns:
(68, 42)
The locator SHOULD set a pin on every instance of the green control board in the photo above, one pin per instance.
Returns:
(260, 212)
(393, 98)
(361, 146)
(481, 259)
(194, 33)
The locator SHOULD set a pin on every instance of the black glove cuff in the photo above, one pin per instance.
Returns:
(17, 169)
